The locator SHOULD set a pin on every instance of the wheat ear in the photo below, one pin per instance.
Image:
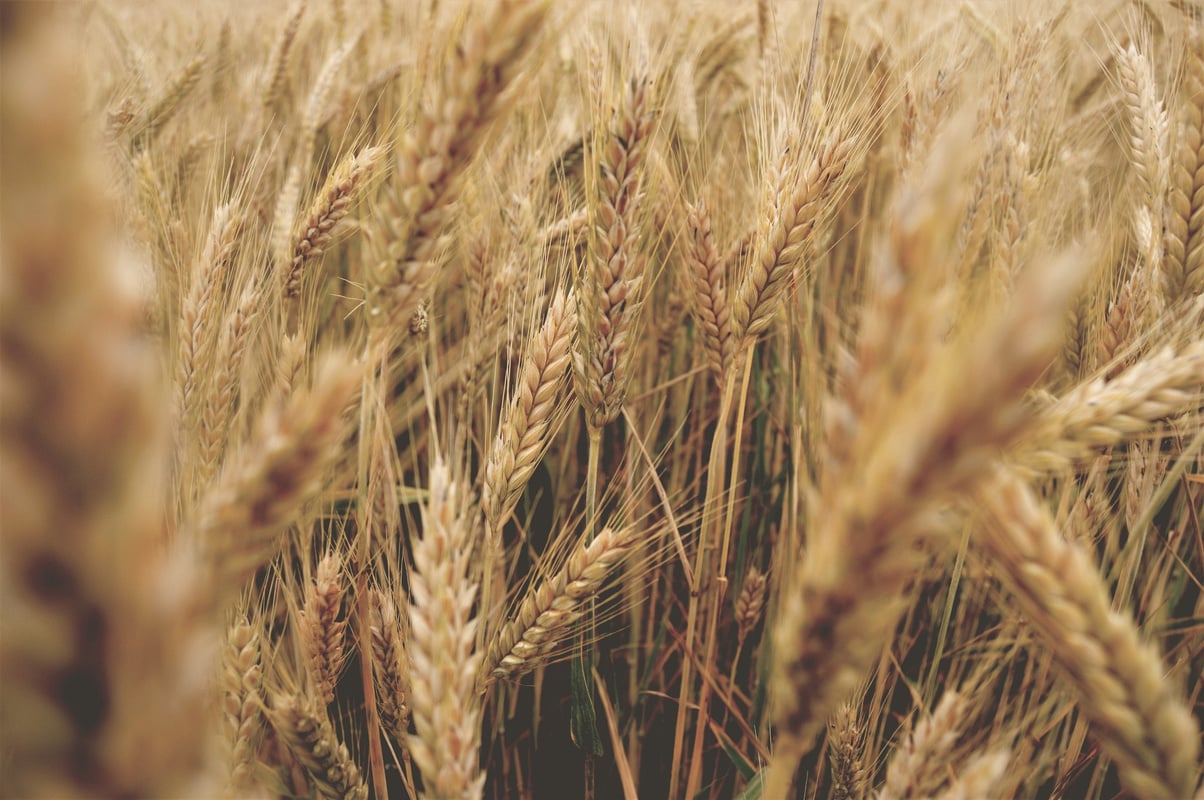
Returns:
(307, 733)
(1119, 680)
(243, 702)
(324, 626)
(95, 660)
(982, 778)
(932, 441)
(263, 489)
(434, 154)
(196, 335)
(787, 226)
(277, 67)
(168, 103)
(315, 232)
(708, 290)
(611, 282)
(546, 614)
(1100, 413)
(846, 757)
(219, 409)
(390, 666)
(919, 766)
(443, 665)
(534, 414)
(1183, 263)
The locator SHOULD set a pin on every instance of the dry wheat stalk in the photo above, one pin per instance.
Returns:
(1136, 713)
(390, 666)
(919, 767)
(535, 413)
(434, 154)
(324, 628)
(611, 287)
(315, 232)
(443, 665)
(545, 615)
(264, 488)
(309, 736)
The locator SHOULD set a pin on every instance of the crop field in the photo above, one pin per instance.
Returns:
(687, 399)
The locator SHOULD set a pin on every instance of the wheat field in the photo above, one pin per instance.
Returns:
(696, 399)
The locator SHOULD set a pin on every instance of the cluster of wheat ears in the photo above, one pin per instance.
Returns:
(520, 399)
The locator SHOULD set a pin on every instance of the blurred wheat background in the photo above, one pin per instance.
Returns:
(520, 399)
